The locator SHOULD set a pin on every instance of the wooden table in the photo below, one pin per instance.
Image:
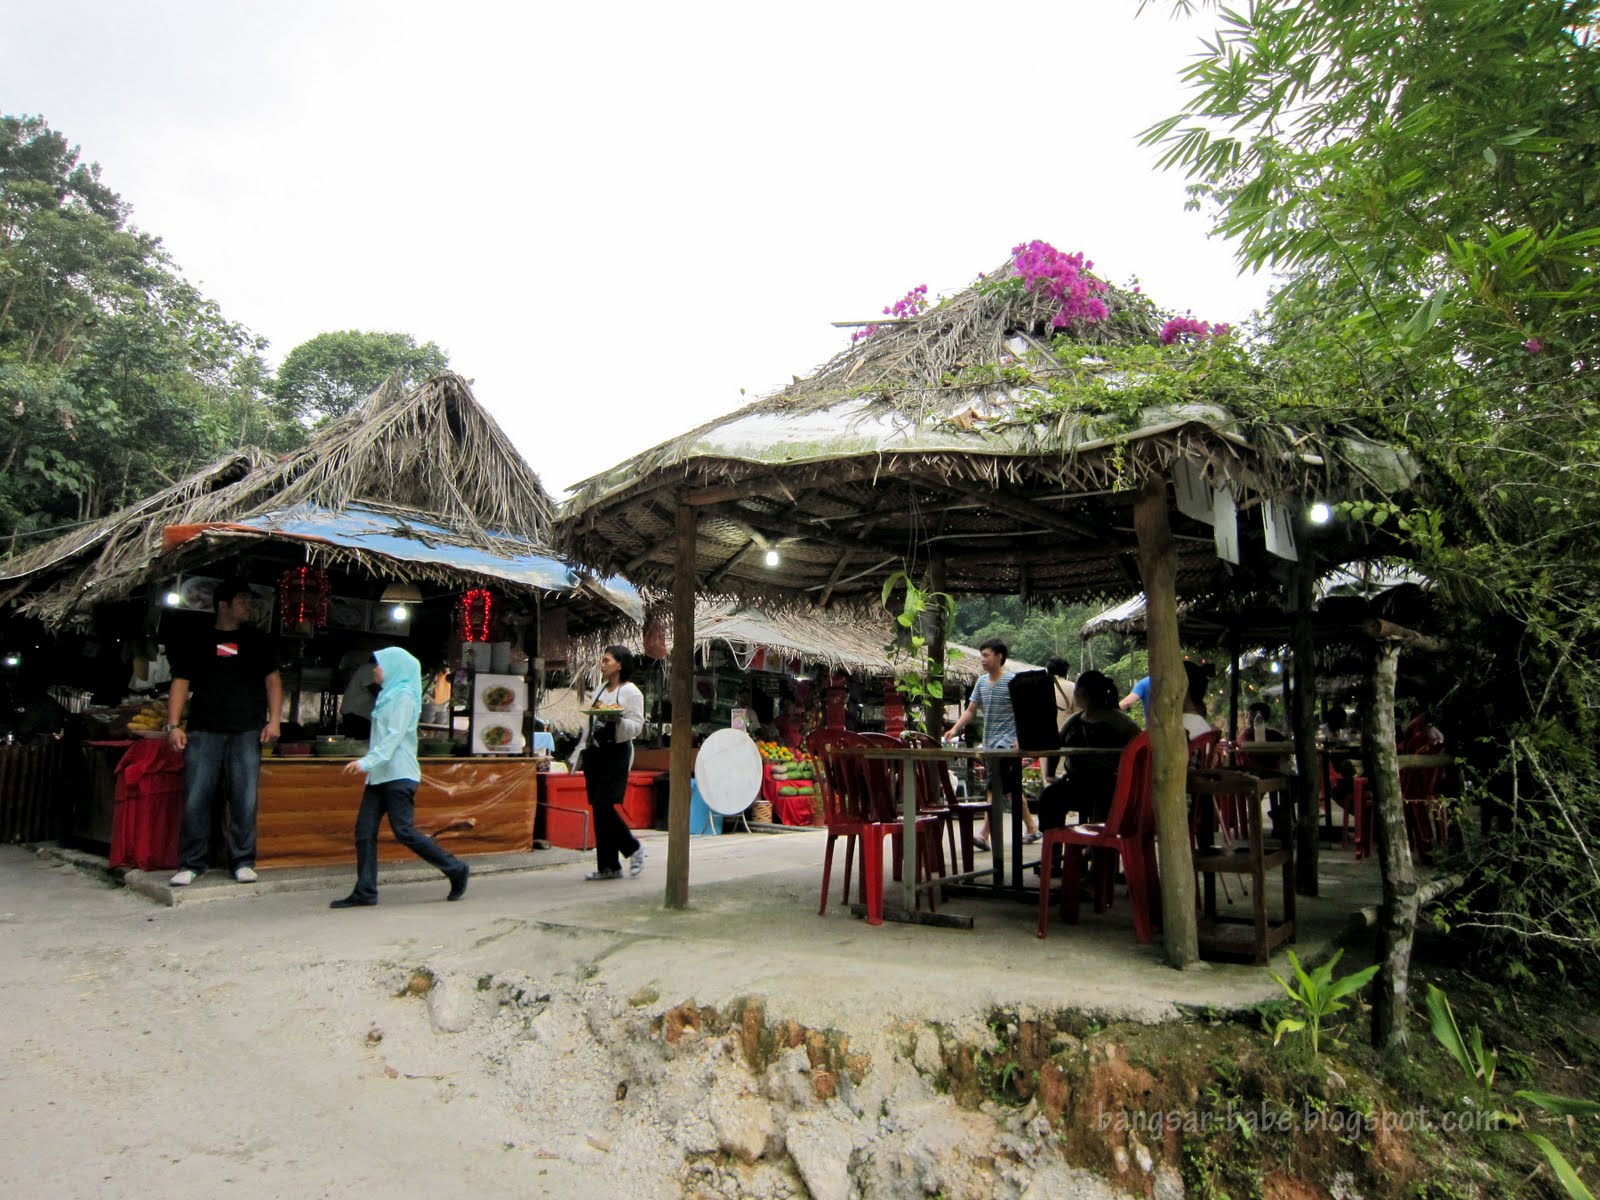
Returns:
(908, 758)
(1257, 938)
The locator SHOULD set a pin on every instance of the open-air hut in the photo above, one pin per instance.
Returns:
(968, 446)
(417, 488)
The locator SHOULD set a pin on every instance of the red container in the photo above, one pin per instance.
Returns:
(639, 801)
(568, 820)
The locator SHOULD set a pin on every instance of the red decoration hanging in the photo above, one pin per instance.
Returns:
(304, 594)
(477, 609)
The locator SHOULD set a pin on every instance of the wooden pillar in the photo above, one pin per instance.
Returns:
(683, 590)
(1169, 748)
(1301, 713)
(936, 618)
(1234, 684)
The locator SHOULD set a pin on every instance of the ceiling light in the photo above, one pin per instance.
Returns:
(398, 612)
(174, 600)
(772, 558)
(1320, 513)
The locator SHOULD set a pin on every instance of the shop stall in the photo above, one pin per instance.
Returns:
(413, 522)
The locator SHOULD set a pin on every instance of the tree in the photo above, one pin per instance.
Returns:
(116, 375)
(1426, 177)
(326, 377)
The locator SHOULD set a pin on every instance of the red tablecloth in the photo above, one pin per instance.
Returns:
(147, 813)
(786, 810)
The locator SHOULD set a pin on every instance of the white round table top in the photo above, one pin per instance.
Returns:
(728, 770)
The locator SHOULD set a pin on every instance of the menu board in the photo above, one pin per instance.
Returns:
(498, 702)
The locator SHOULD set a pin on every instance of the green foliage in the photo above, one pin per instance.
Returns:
(324, 378)
(918, 676)
(1423, 179)
(1478, 1064)
(1317, 995)
(117, 376)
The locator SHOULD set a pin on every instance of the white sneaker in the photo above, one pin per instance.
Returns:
(245, 874)
(636, 862)
(183, 878)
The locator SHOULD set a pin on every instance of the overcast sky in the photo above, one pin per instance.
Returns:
(614, 217)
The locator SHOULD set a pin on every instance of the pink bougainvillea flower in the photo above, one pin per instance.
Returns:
(1533, 346)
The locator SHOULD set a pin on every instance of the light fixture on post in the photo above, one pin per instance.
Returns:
(399, 595)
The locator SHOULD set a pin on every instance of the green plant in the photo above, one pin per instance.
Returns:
(1479, 1066)
(919, 677)
(1469, 1053)
(1317, 995)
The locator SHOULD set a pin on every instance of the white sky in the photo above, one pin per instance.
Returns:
(615, 216)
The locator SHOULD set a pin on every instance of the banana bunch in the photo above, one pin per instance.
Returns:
(148, 719)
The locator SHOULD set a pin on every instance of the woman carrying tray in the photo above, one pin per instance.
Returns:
(607, 755)
(390, 765)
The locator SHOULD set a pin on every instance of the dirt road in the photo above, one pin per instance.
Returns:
(261, 1044)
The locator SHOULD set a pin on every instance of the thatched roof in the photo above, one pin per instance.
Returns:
(430, 457)
(921, 438)
(1207, 621)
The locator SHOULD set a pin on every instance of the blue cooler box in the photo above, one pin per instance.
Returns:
(701, 818)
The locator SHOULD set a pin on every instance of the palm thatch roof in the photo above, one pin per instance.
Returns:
(926, 437)
(1341, 594)
(430, 463)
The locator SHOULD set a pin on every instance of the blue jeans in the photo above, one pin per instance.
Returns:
(232, 760)
(398, 798)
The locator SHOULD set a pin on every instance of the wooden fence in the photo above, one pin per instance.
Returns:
(35, 790)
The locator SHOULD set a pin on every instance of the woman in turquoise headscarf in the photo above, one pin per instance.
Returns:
(390, 765)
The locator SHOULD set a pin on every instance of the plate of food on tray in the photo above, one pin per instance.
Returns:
(603, 710)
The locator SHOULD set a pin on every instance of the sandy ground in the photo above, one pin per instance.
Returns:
(228, 1045)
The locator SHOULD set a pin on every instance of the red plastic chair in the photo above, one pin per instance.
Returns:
(1425, 817)
(1426, 825)
(865, 809)
(1128, 832)
(838, 820)
(937, 794)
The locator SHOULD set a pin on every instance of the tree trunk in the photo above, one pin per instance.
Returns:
(1169, 749)
(1301, 714)
(683, 586)
(1397, 918)
(935, 620)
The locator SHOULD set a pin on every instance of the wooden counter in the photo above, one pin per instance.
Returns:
(306, 809)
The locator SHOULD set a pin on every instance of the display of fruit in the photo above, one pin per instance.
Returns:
(149, 719)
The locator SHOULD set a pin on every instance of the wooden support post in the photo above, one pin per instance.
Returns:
(1234, 684)
(1169, 748)
(935, 620)
(1301, 713)
(683, 592)
(1397, 918)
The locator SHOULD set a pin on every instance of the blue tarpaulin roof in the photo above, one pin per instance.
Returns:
(407, 539)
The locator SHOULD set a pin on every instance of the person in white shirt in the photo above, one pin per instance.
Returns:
(607, 755)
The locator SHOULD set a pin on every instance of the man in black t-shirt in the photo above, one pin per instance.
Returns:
(230, 677)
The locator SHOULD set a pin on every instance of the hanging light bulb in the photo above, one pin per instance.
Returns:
(174, 600)
(398, 612)
(772, 558)
(1320, 513)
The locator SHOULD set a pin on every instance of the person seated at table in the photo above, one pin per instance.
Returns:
(1334, 730)
(1066, 705)
(1421, 735)
(1198, 676)
(1258, 725)
(1090, 780)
